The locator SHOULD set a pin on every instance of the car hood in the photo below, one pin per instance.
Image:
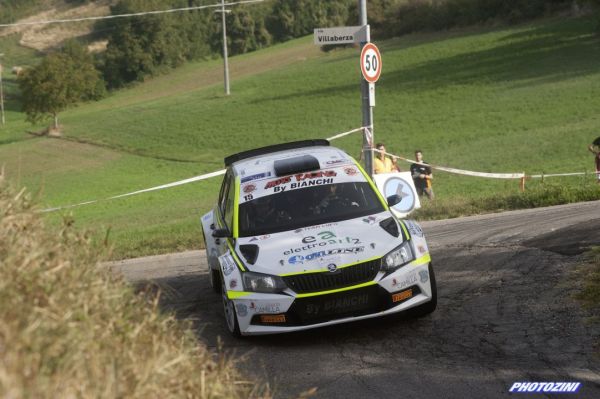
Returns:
(315, 247)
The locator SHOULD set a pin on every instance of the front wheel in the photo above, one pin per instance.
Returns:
(229, 312)
(429, 307)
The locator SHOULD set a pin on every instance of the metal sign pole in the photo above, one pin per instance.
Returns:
(225, 61)
(1, 94)
(367, 110)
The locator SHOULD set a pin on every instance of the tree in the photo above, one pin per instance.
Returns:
(142, 46)
(60, 81)
(295, 18)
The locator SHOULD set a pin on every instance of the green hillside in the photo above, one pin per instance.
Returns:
(505, 100)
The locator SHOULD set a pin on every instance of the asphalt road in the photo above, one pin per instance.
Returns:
(505, 314)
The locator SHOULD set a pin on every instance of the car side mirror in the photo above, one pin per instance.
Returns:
(221, 233)
(393, 200)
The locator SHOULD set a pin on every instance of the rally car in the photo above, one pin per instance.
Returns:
(301, 238)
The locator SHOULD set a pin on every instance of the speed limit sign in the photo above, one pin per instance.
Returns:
(370, 62)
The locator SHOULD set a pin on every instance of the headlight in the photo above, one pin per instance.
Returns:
(257, 282)
(398, 257)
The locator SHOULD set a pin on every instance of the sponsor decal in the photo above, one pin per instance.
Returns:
(206, 217)
(309, 183)
(558, 387)
(260, 238)
(332, 241)
(424, 276)
(248, 188)
(335, 161)
(315, 175)
(338, 305)
(227, 264)
(421, 249)
(401, 296)
(242, 310)
(320, 254)
(265, 307)
(255, 177)
(414, 228)
(370, 220)
(278, 182)
(302, 180)
(350, 171)
(233, 284)
(332, 267)
(406, 282)
(318, 227)
(281, 262)
(323, 235)
(372, 245)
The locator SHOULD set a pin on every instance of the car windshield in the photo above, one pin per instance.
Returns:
(309, 206)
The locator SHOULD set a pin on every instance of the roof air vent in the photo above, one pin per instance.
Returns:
(303, 163)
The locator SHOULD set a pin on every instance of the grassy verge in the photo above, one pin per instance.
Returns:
(71, 329)
(537, 195)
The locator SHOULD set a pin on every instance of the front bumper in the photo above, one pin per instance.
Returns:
(406, 288)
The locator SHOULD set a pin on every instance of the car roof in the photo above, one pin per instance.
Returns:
(265, 164)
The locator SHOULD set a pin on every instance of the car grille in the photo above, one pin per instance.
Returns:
(344, 277)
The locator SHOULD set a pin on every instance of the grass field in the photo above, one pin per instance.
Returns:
(516, 99)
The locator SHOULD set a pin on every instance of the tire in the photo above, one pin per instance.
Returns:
(214, 278)
(231, 320)
(429, 307)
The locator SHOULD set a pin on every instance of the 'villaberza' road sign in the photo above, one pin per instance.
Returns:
(341, 35)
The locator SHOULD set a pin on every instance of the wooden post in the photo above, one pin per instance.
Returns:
(522, 184)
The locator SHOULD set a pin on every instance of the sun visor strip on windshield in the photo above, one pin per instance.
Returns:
(300, 164)
(383, 201)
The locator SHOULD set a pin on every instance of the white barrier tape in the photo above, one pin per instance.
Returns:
(459, 171)
(177, 183)
(563, 174)
(174, 184)
(340, 135)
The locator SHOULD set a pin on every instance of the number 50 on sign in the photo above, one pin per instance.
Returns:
(370, 62)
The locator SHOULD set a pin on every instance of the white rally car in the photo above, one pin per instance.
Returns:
(301, 238)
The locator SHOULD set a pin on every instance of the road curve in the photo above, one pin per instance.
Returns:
(506, 313)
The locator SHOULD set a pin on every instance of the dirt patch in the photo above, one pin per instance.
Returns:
(191, 78)
(47, 36)
(572, 240)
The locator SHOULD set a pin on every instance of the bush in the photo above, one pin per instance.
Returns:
(429, 15)
(69, 328)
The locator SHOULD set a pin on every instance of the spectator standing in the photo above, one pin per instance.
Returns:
(382, 163)
(597, 157)
(422, 176)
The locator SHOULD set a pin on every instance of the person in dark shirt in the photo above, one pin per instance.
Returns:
(422, 176)
(597, 158)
